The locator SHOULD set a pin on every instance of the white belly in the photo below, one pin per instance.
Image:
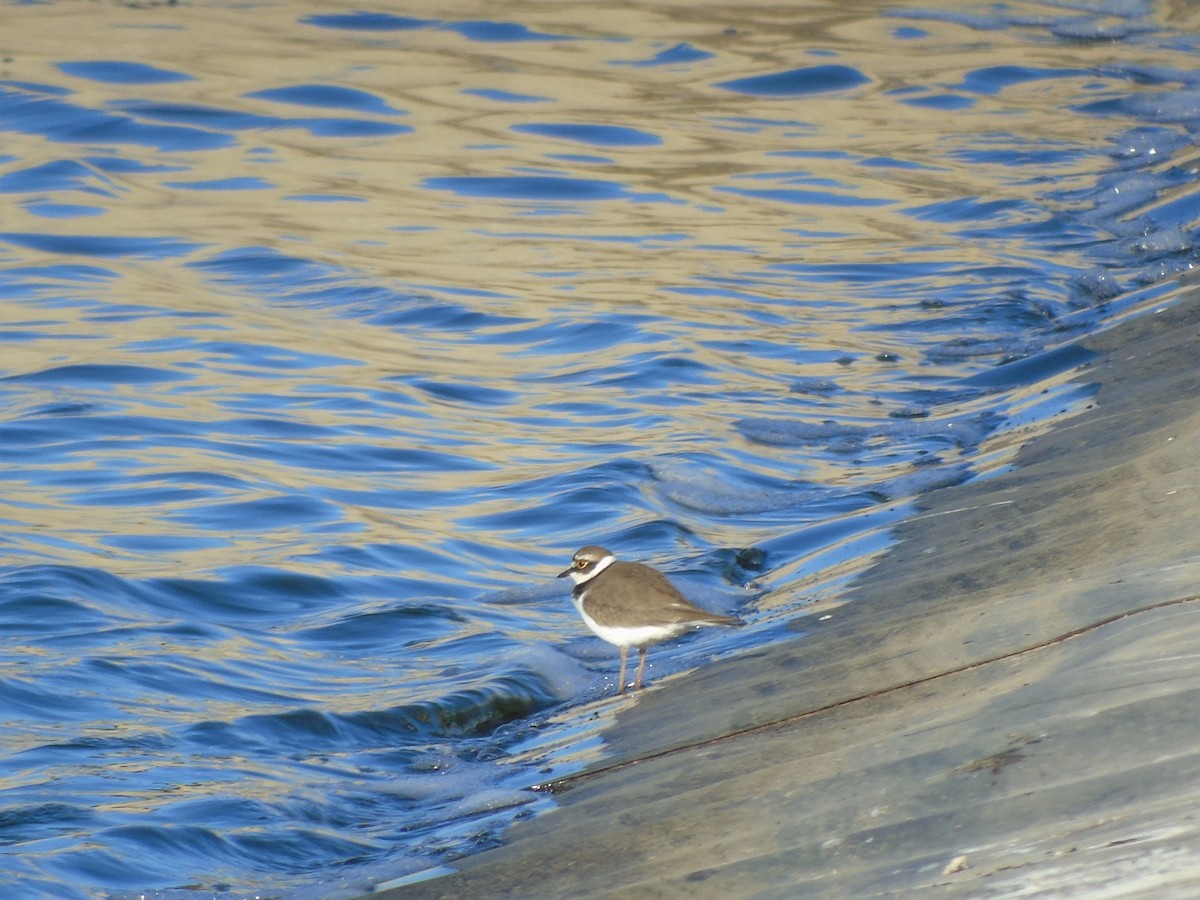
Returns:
(632, 636)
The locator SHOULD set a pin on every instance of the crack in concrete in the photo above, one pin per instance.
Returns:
(561, 785)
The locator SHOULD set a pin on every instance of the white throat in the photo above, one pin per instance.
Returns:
(584, 577)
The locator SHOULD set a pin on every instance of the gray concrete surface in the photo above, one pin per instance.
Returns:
(1005, 706)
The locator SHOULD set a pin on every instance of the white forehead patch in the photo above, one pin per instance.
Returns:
(582, 577)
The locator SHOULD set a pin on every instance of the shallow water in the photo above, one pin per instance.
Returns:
(328, 336)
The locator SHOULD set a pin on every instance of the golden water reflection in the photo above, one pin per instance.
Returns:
(732, 242)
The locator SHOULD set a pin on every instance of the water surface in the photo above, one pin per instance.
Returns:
(327, 336)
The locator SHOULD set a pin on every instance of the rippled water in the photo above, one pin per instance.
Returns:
(327, 336)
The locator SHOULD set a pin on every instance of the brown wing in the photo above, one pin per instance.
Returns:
(635, 593)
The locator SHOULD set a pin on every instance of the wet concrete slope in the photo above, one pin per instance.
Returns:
(1004, 706)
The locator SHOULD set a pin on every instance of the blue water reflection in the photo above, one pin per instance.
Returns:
(328, 97)
(598, 135)
(35, 109)
(798, 82)
(475, 30)
(121, 72)
(680, 54)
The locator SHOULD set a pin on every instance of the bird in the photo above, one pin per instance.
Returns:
(630, 604)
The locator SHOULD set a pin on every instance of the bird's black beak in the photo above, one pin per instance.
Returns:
(565, 573)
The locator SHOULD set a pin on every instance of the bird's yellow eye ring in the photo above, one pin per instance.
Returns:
(579, 563)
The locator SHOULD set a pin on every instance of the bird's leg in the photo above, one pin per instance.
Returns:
(621, 683)
(641, 665)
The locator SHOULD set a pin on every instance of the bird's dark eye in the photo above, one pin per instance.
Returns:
(579, 563)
